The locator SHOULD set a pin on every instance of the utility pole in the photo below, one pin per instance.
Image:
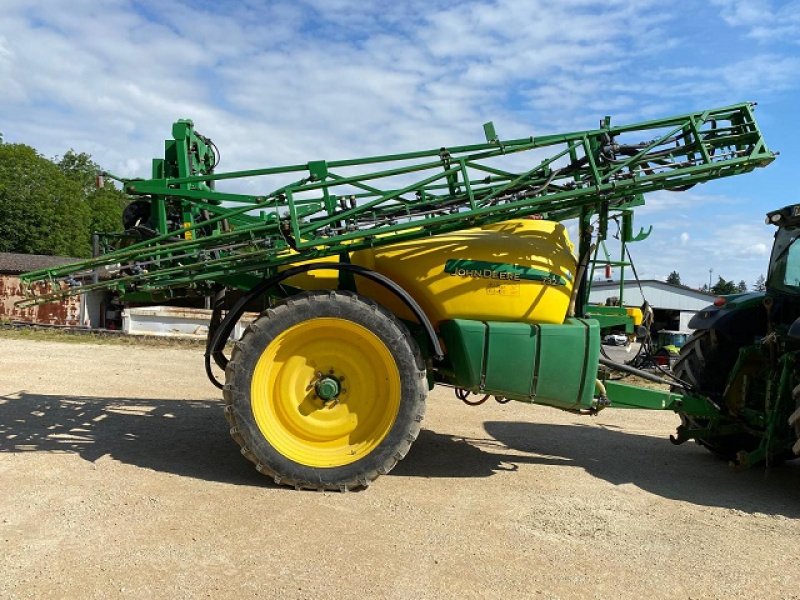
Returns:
(710, 271)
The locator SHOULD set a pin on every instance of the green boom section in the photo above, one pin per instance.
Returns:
(185, 234)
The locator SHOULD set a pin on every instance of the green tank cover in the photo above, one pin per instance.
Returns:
(547, 364)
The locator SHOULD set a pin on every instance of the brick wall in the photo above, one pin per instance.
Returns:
(66, 312)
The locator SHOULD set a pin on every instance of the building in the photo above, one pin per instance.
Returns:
(70, 311)
(673, 305)
(95, 309)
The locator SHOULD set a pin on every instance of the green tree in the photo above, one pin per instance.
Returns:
(741, 287)
(42, 211)
(106, 203)
(760, 285)
(674, 278)
(80, 168)
(723, 287)
(53, 206)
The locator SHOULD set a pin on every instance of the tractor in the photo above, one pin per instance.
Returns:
(744, 356)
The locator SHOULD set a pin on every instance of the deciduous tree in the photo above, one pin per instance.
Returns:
(105, 202)
(53, 206)
(42, 211)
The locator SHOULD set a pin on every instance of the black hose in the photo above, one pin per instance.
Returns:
(639, 373)
(216, 318)
(217, 154)
(210, 374)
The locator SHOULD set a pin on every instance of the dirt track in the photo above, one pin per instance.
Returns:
(118, 479)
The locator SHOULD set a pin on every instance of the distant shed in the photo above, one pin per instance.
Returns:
(674, 305)
(69, 311)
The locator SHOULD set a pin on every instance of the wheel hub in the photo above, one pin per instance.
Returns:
(327, 388)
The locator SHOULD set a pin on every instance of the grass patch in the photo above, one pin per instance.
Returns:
(71, 336)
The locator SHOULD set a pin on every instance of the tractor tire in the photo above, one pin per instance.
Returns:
(705, 362)
(325, 391)
(794, 419)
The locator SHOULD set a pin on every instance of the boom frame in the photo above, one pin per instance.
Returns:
(202, 237)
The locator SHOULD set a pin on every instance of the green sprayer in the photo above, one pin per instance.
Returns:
(377, 278)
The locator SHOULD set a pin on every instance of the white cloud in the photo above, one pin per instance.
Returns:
(759, 249)
(734, 249)
(744, 12)
(290, 81)
(764, 20)
(287, 82)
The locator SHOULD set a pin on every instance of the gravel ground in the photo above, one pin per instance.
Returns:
(118, 479)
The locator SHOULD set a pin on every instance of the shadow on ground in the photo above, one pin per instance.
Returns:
(184, 437)
(190, 438)
(687, 473)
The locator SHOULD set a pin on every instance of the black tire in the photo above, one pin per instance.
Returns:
(794, 419)
(336, 309)
(706, 361)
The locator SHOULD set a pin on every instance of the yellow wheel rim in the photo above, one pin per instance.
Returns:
(294, 418)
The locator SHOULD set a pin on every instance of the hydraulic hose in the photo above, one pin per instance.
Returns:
(584, 263)
(639, 373)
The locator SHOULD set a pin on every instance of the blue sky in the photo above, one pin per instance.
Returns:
(284, 82)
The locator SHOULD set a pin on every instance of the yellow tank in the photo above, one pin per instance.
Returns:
(518, 270)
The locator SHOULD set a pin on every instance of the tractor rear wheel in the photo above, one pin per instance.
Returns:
(706, 361)
(794, 419)
(325, 391)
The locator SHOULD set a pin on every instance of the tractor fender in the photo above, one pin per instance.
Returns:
(794, 330)
(739, 315)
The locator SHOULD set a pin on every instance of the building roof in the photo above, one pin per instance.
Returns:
(659, 294)
(657, 282)
(14, 264)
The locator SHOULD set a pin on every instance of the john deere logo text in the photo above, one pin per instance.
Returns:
(479, 269)
(485, 274)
